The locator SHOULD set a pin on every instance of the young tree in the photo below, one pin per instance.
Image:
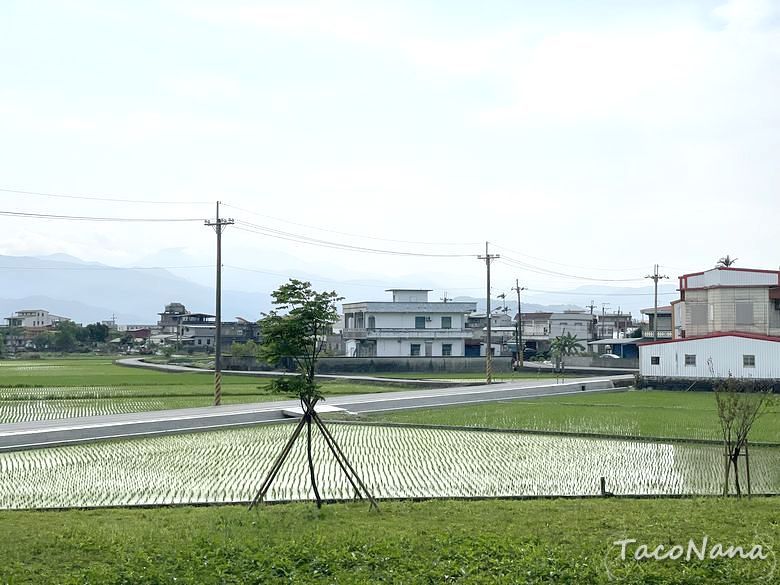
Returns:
(740, 403)
(565, 345)
(295, 330)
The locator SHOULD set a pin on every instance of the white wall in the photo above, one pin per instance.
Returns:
(406, 320)
(716, 357)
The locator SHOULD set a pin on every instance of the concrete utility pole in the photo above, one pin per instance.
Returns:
(488, 358)
(519, 329)
(655, 278)
(219, 226)
(603, 318)
(592, 306)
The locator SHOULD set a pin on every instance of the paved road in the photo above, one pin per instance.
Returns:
(530, 367)
(75, 430)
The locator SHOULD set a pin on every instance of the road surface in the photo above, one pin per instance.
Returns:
(48, 433)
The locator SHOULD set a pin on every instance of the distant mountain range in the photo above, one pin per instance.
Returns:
(90, 291)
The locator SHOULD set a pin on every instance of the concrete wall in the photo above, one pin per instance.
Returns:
(410, 364)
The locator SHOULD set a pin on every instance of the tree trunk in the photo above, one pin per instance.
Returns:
(311, 462)
(727, 458)
(735, 461)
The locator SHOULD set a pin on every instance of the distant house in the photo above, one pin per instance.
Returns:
(410, 325)
(34, 318)
(579, 324)
(665, 329)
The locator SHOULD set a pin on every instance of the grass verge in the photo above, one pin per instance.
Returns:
(540, 541)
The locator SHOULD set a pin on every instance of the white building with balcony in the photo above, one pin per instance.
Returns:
(410, 325)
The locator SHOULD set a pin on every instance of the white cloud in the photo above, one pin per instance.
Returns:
(747, 14)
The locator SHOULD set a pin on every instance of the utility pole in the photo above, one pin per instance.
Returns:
(488, 257)
(219, 226)
(445, 299)
(655, 278)
(519, 329)
(592, 306)
(603, 317)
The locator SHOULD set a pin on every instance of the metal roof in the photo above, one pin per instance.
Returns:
(714, 335)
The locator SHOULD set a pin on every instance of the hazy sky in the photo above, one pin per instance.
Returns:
(587, 138)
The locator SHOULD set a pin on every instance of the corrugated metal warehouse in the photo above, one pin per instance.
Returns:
(718, 355)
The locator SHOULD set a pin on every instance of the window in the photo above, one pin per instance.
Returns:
(446, 322)
(690, 359)
(419, 323)
(749, 361)
(200, 342)
(698, 314)
(655, 360)
(371, 322)
(415, 349)
(744, 313)
(446, 349)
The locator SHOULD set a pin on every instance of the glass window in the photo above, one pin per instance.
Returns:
(446, 349)
(690, 359)
(371, 322)
(446, 322)
(415, 349)
(655, 360)
(419, 322)
(749, 361)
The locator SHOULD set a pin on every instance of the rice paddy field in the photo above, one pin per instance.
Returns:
(637, 413)
(64, 388)
(228, 466)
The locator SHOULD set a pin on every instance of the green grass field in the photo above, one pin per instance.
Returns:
(60, 388)
(637, 413)
(507, 542)
(498, 376)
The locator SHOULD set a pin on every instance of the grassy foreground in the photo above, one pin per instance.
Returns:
(637, 413)
(533, 541)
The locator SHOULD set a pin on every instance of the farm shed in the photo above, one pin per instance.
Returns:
(718, 355)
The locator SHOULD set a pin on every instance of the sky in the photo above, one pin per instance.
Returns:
(586, 141)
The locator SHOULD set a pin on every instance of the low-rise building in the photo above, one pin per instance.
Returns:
(410, 325)
(577, 323)
(728, 299)
(712, 356)
(34, 318)
(665, 328)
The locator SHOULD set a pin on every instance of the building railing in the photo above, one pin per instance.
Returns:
(406, 333)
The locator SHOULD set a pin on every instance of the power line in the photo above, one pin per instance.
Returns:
(30, 215)
(332, 231)
(544, 271)
(97, 198)
(99, 268)
(301, 239)
(569, 265)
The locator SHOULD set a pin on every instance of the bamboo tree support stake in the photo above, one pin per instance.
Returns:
(327, 432)
(277, 465)
(331, 445)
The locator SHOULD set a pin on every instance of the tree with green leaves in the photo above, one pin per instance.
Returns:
(563, 346)
(294, 332)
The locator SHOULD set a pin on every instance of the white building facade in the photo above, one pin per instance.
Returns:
(714, 356)
(34, 318)
(578, 324)
(409, 326)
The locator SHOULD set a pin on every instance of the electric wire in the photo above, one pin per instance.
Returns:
(100, 198)
(332, 231)
(301, 239)
(30, 215)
